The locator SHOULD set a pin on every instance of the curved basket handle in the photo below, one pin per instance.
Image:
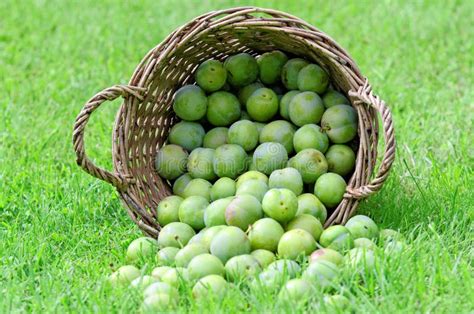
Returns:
(364, 95)
(83, 161)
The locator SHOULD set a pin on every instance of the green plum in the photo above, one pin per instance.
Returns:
(161, 288)
(251, 175)
(338, 238)
(187, 253)
(214, 215)
(336, 303)
(280, 204)
(328, 255)
(191, 211)
(215, 137)
(222, 188)
(333, 98)
(306, 108)
(256, 188)
(322, 273)
(340, 123)
(200, 163)
(211, 75)
(160, 302)
(279, 131)
(198, 187)
(262, 105)
(180, 184)
(167, 210)
(209, 234)
(269, 157)
(166, 256)
(229, 161)
(270, 65)
(296, 290)
(241, 267)
(308, 223)
(311, 164)
(285, 103)
(341, 159)
(260, 127)
(296, 243)
(288, 178)
(159, 271)
(175, 234)
(243, 133)
(244, 115)
(246, 91)
(264, 257)
(310, 136)
(124, 275)
(390, 235)
(171, 161)
(210, 285)
(243, 211)
(190, 103)
(242, 69)
(143, 282)
(290, 71)
(265, 234)
(223, 108)
(269, 280)
(229, 242)
(365, 244)
(286, 267)
(205, 264)
(362, 226)
(361, 259)
(330, 188)
(141, 248)
(308, 203)
(313, 78)
(175, 276)
(188, 135)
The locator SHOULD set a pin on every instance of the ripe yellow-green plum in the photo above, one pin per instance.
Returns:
(190, 103)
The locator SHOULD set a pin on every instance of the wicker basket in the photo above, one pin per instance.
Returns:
(145, 117)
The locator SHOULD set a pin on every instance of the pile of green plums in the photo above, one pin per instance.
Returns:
(282, 252)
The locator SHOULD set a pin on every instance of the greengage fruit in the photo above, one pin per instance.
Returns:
(279, 131)
(223, 108)
(308, 203)
(313, 78)
(175, 234)
(296, 243)
(308, 223)
(229, 161)
(365, 243)
(188, 135)
(229, 242)
(211, 75)
(362, 226)
(210, 285)
(288, 178)
(330, 188)
(280, 204)
(209, 235)
(333, 98)
(322, 273)
(269, 157)
(198, 187)
(262, 105)
(296, 290)
(265, 234)
(180, 184)
(269, 279)
(187, 253)
(285, 103)
(286, 267)
(171, 161)
(242, 69)
(214, 215)
(243, 133)
(204, 265)
(328, 255)
(290, 71)
(241, 267)
(243, 211)
(143, 282)
(270, 65)
(251, 175)
(190, 103)
(167, 210)
(306, 108)
(160, 302)
(340, 123)
(361, 259)
(159, 271)
(338, 303)
(200, 163)
(160, 288)
(215, 137)
(222, 188)
(389, 235)
(191, 211)
(175, 276)
(124, 275)
(338, 238)
(166, 256)
(246, 91)
(310, 136)
(141, 248)
(255, 187)
(264, 257)
(341, 159)
(310, 163)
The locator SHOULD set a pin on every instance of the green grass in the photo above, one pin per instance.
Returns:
(62, 232)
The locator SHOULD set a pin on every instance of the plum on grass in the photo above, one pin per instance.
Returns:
(200, 163)
(265, 234)
(166, 255)
(313, 78)
(310, 136)
(340, 123)
(279, 131)
(322, 273)
(270, 280)
(264, 257)
(341, 159)
(141, 248)
(188, 135)
(336, 303)
(306, 108)
(223, 108)
(330, 188)
(285, 103)
(143, 282)
(361, 259)
(328, 255)
(242, 69)
(270, 65)
(124, 275)
(308, 203)
(229, 161)
(215, 137)
(296, 243)
(338, 238)
(310, 163)
(160, 288)
(296, 290)
(308, 223)
(280, 204)
(269, 157)
(198, 187)
(175, 234)
(167, 210)
(191, 211)
(187, 253)
(243, 133)
(209, 234)
(262, 105)
(205, 264)
(222, 188)
(286, 267)
(242, 266)
(171, 161)
(290, 71)
(175, 276)
(362, 226)
(210, 285)
(190, 103)
(160, 302)
(214, 214)
(229, 242)
(243, 211)
(211, 75)
(288, 178)
(333, 98)
(159, 271)
(365, 243)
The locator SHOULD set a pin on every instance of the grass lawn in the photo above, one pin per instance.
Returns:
(62, 231)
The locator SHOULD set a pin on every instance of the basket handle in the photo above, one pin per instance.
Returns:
(364, 95)
(82, 160)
